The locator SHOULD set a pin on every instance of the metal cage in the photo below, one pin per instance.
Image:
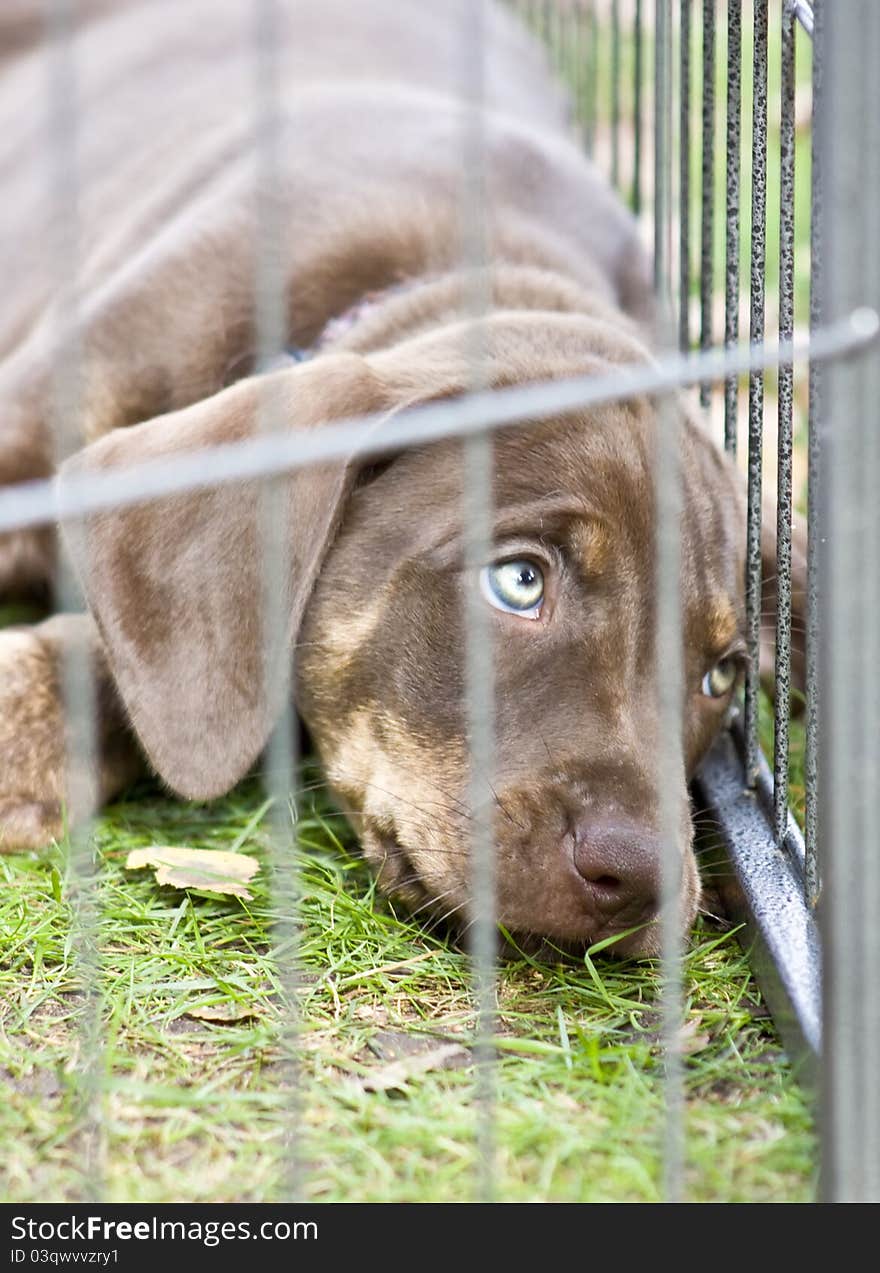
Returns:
(642, 78)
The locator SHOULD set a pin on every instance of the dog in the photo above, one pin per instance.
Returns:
(368, 207)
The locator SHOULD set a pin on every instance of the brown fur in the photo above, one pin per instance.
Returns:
(370, 196)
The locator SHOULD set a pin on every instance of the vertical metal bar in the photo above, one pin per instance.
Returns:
(782, 704)
(667, 645)
(557, 35)
(707, 193)
(573, 62)
(76, 673)
(579, 66)
(870, 744)
(669, 62)
(731, 287)
(661, 146)
(529, 8)
(591, 59)
(849, 771)
(548, 29)
(615, 94)
(281, 759)
(814, 480)
(568, 40)
(684, 180)
(477, 510)
(545, 22)
(668, 655)
(636, 197)
(756, 385)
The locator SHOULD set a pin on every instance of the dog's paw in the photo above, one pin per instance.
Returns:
(31, 741)
(34, 804)
(28, 824)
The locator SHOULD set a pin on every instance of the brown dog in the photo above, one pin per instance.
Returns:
(370, 190)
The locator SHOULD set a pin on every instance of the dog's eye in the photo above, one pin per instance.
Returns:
(514, 586)
(721, 679)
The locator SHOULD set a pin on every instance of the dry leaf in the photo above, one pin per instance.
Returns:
(449, 1056)
(210, 870)
(224, 1012)
(692, 1039)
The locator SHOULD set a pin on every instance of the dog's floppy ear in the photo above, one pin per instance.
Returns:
(176, 584)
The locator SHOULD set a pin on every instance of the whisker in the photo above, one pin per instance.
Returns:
(506, 811)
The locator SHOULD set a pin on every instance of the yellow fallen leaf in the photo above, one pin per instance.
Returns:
(395, 1075)
(210, 870)
(691, 1038)
(224, 1012)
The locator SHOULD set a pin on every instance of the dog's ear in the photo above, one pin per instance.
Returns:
(176, 585)
(769, 597)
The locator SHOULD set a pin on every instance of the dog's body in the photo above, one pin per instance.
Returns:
(369, 169)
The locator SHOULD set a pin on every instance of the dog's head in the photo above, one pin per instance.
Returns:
(373, 605)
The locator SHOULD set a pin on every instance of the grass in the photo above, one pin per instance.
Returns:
(194, 1109)
(188, 1108)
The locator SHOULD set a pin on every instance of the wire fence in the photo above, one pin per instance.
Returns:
(640, 76)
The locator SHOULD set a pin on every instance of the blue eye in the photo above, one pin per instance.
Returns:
(721, 680)
(514, 586)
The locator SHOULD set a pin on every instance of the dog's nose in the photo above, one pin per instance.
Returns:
(620, 863)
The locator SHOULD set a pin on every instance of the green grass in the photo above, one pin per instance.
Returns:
(194, 1109)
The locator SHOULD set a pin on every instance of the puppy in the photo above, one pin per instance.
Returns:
(367, 207)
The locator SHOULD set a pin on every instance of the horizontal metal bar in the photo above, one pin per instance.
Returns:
(36, 503)
(803, 11)
(764, 891)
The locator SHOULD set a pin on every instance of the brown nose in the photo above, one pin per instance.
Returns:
(620, 863)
